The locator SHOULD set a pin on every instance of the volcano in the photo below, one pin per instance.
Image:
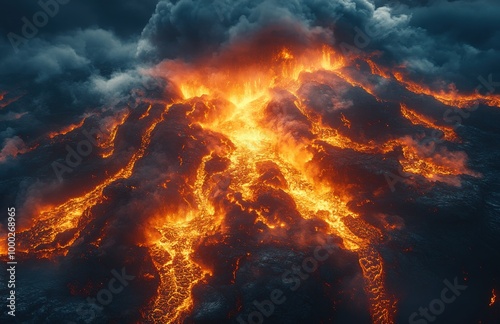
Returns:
(280, 176)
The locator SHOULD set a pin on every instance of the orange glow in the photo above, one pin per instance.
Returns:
(4, 102)
(378, 70)
(256, 141)
(493, 298)
(418, 119)
(112, 127)
(233, 84)
(3, 241)
(346, 121)
(67, 129)
(53, 220)
(146, 113)
(172, 239)
(248, 103)
(450, 98)
(437, 166)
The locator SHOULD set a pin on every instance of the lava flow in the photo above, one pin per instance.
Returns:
(261, 130)
(42, 238)
(245, 124)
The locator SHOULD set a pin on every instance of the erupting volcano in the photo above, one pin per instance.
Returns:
(218, 186)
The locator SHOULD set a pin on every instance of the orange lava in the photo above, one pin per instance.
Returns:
(419, 119)
(258, 141)
(434, 165)
(54, 220)
(450, 98)
(241, 90)
(67, 129)
(111, 128)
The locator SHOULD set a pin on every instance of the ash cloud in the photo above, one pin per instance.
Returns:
(190, 29)
(438, 42)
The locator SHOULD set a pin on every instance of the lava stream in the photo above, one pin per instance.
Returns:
(256, 141)
(52, 220)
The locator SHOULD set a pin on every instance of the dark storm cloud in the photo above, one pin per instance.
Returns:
(475, 23)
(78, 57)
(82, 58)
(58, 80)
(122, 17)
(75, 55)
(190, 28)
(469, 30)
(439, 42)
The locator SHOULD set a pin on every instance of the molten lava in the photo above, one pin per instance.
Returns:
(257, 140)
(419, 119)
(67, 129)
(252, 117)
(54, 220)
(451, 97)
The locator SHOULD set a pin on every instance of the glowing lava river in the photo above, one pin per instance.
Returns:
(244, 146)
(262, 120)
